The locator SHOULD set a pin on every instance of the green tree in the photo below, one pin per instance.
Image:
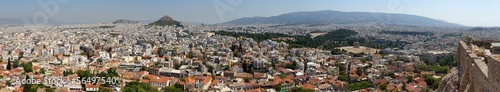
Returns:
(9, 65)
(105, 89)
(190, 54)
(390, 74)
(54, 90)
(42, 70)
(137, 87)
(112, 72)
(8, 83)
(226, 67)
(144, 68)
(343, 77)
(15, 64)
(28, 67)
(365, 59)
(359, 72)
(404, 86)
(128, 89)
(359, 85)
(410, 78)
(21, 54)
(99, 60)
(277, 87)
(247, 79)
(172, 89)
(67, 72)
(435, 85)
(468, 39)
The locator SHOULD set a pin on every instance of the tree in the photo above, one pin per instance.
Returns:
(21, 54)
(28, 67)
(9, 66)
(105, 89)
(42, 70)
(359, 85)
(190, 54)
(277, 87)
(160, 52)
(54, 90)
(68, 72)
(226, 67)
(83, 54)
(359, 72)
(112, 72)
(410, 78)
(15, 64)
(365, 59)
(390, 74)
(99, 60)
(436, 83)
(404, 86)
(144, 68)
(172, 89)
(247, 79)
(342, 78)
(31, 87)
(138, 87)
(84, 74)
(8, 83)
(469, 39)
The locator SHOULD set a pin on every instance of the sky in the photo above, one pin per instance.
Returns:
(464, 12)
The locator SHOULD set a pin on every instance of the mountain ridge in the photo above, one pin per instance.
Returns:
(339, 17)
(125, 21)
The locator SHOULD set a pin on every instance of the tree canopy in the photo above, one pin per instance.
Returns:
(359, 85)
(138, 87)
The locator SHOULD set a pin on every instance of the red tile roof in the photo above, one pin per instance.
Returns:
(307, 86)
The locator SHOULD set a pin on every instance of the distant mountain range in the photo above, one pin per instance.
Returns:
(484, 28)
(10, 21)
(124, 21)
(338, 17)
(19, 21)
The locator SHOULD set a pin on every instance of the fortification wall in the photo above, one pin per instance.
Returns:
(480, 75)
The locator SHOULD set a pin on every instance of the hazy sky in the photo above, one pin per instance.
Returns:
(465, 12)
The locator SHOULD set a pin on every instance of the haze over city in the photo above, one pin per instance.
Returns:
(464, 12)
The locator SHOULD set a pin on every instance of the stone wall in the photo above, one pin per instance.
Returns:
(477, 74)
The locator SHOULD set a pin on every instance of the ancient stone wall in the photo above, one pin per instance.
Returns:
(477, 74)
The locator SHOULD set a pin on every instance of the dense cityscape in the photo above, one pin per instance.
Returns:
(130, 57)
(231, 46)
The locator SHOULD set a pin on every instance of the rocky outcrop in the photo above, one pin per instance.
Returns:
(166, 21)
(449, 83)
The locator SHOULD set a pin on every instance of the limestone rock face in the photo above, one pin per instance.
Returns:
(166, 19)
(449, 83)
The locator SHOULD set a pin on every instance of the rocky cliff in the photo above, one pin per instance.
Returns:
(449, 83)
